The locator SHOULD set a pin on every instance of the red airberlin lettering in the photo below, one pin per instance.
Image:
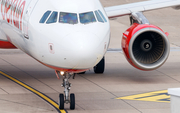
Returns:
(7, 7)
(21, 15)
(12, 11)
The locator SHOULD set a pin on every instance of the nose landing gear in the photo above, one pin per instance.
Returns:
(65, 98)
(70, 99)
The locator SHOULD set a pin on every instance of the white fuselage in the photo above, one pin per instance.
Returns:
(59, 45)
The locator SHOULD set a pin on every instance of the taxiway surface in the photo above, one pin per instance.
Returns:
(95, 93)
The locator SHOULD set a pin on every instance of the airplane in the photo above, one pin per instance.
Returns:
(72, 36)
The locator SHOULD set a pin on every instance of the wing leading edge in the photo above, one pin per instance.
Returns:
(127, 9)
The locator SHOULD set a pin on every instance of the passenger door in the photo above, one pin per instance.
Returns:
(27, 14)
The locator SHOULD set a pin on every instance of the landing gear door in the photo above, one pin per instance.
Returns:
(27, 14)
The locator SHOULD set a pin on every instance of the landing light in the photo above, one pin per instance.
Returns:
(62, 73)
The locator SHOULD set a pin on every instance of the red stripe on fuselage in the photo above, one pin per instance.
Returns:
(66, 70)
(6, 45)
(60, 68)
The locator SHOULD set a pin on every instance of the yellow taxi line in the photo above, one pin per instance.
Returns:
(43, 96)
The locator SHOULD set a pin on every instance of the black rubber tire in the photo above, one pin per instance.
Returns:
(72, 101)
(99, 68)
(61, 101)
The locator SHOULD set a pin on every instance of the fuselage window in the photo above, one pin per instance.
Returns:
(99, 17)
(52, 18)
(70, 18)
(45, 16)
(87, 17)
(102, 15)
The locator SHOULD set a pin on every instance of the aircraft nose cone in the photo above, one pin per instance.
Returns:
(82, 39)
(82, 49)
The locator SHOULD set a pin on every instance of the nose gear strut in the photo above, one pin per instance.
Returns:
(66, 98)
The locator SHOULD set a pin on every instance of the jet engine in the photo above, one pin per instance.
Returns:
(145, 46)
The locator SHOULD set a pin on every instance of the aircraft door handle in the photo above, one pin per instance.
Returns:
(26, 36)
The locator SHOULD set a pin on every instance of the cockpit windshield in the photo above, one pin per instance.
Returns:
(70, 18)
(87, 17)
(98, 17)
(45, 16)
(50, 17)
(102, 15)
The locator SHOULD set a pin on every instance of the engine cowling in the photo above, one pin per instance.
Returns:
(145, 46)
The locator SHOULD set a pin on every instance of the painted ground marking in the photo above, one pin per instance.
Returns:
(157, 96)
(38, 93)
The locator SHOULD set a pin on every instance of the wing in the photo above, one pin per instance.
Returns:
(120, 10)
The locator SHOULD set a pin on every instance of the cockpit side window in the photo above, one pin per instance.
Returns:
(52, 18)
(102, 15)
(99, 17)
(87, 17)
(45, 16)
(70, 18)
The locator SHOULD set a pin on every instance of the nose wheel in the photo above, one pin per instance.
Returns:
(66, 98)
(72, 101)
(61, 101)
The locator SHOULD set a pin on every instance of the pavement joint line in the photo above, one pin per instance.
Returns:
(132, 106)
(111, 93)
(23, 104)
(99, 86)
(4, 90)
(30, 75)
(38, 93)
(175, 45)
(168, 76)
(80, 107)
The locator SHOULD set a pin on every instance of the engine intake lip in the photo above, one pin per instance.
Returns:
(159, 59)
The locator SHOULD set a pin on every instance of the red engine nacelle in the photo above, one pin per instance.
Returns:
(146, 47)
